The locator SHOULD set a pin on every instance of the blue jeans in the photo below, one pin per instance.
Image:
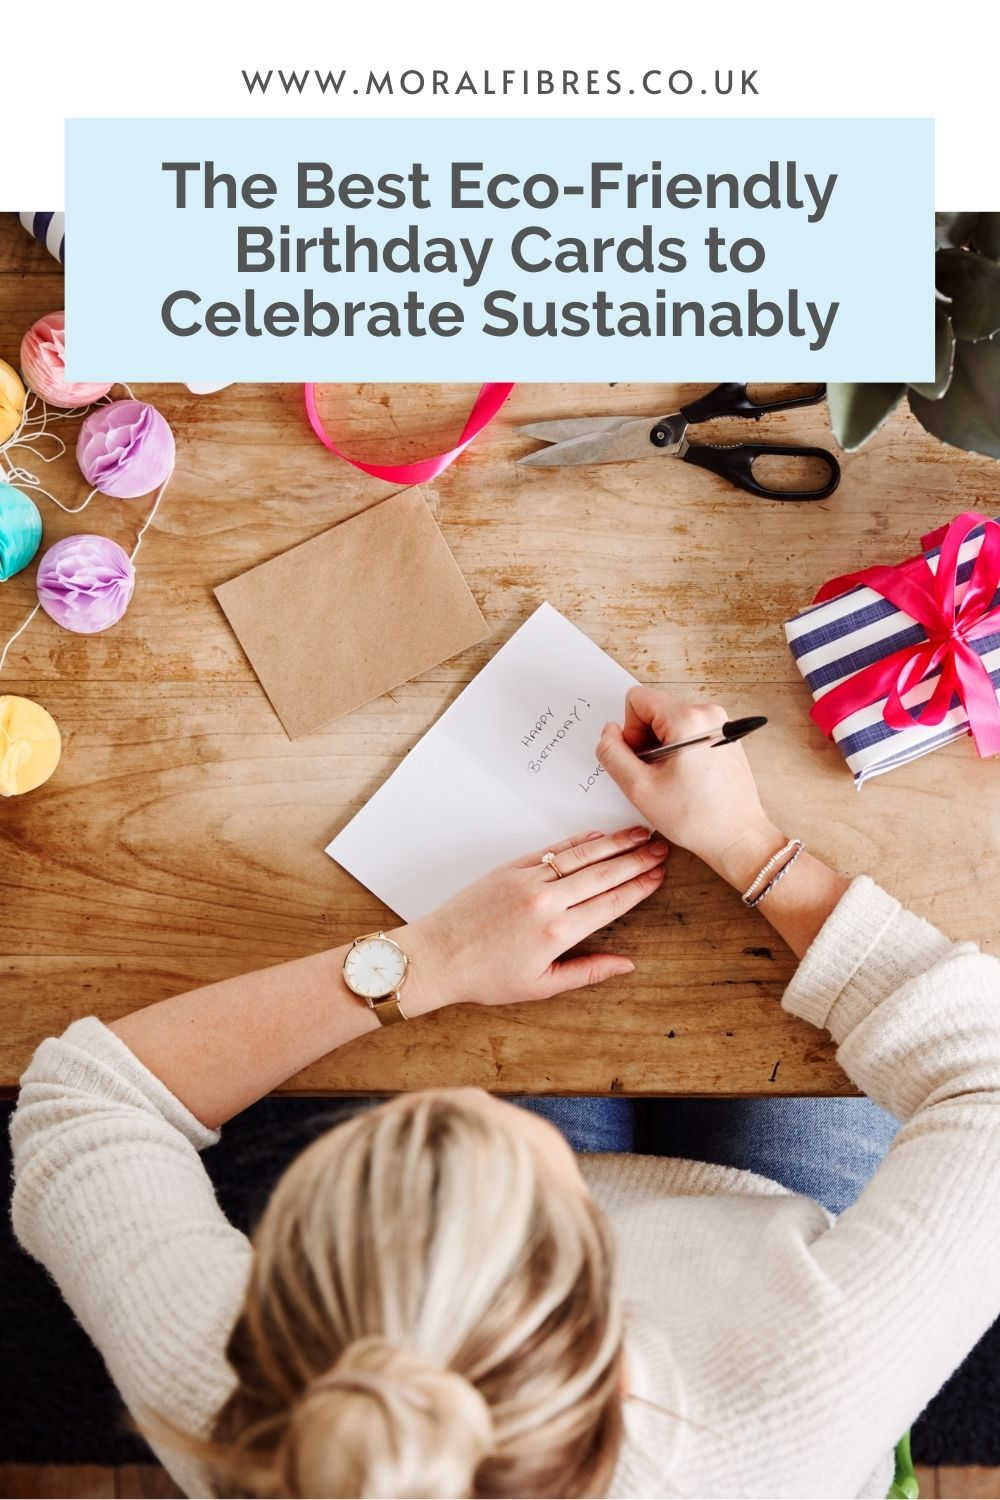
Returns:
(827, 1149)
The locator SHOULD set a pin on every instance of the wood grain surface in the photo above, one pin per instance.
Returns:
(181, 839)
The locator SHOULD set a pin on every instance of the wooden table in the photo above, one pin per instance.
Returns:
(182, 837)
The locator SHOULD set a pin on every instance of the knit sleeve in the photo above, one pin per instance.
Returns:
(845, 1340)
(111, 1196)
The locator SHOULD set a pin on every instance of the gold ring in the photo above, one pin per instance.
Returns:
(550, 860)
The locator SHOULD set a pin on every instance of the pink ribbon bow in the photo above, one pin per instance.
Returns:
(929, 598)
(488, 402)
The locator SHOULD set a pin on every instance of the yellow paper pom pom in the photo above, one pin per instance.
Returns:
(30, 745)
(12, 397)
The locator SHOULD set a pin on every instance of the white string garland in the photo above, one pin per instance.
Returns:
(20, 629)
(31, 430)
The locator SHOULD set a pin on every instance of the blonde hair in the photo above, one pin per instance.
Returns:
(433, 1311)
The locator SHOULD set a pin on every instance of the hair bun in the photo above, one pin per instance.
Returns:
(385, 1422)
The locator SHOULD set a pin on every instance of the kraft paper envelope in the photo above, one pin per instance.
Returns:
(508, 768)
(352, 613)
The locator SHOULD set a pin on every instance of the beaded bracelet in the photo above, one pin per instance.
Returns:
(779, 876)
(752, 897)
(765, 870)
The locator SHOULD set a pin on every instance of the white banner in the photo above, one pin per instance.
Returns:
(522, 58)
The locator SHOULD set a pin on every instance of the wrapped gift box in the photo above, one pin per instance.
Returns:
(902, 660)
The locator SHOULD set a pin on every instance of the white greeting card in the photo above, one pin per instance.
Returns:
(508, 768)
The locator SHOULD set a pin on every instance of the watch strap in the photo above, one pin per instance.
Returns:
(387, 1011)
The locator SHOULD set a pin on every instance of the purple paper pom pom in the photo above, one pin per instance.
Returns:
(85, 583)
(125, 449)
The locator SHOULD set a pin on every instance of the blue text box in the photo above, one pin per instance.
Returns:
(848, 296)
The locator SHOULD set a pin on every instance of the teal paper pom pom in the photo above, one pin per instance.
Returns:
(20, 530)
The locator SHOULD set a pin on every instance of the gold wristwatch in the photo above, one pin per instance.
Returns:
(375, 969)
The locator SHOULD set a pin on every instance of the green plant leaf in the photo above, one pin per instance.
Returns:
(968, 415)
(856, 411)
(954, 229)
(944, 356)
(986, 235)
(973, 284)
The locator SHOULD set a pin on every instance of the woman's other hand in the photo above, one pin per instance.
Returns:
(704, 799)
(502, 939)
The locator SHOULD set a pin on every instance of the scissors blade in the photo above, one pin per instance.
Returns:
(570, 427)
(626, 439)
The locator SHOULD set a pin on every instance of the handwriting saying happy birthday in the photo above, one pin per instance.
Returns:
(551, 730)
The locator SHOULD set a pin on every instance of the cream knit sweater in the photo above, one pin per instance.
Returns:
(783, 1353)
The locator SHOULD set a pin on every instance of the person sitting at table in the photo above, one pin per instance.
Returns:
(441, 1299)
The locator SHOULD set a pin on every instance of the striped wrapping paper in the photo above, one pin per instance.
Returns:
(832, 641)
(50, 228)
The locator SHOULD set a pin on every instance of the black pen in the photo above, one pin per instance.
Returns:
(726, 734)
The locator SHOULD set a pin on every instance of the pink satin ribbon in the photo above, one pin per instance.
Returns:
(487, 403)
(929, 597)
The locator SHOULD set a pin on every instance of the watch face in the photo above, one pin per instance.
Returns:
(375, 968)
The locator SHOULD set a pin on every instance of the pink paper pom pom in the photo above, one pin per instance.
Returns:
(43, 365)
(85, 583)
(125, 449)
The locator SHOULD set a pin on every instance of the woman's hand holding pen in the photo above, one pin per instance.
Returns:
(704, 799)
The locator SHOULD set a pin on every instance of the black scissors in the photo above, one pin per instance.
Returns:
(602, 440)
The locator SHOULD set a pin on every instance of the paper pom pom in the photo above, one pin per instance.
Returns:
(20, 530)
(125, 449)
(43, 365)
(12, 397)
(85, 583)
(29, 745)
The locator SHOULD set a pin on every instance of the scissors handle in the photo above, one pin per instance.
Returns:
(731, 399)
(735, 462)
